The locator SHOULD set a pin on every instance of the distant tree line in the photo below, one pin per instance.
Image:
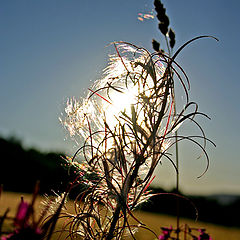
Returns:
(208, 209)
(21, 168)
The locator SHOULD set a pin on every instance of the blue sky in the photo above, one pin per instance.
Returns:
(52, 49)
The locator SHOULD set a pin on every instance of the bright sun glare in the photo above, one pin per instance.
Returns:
(120, 102)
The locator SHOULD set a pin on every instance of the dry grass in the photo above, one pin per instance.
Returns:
(153, 221)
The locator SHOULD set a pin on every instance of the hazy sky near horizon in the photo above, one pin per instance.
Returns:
(53, 49)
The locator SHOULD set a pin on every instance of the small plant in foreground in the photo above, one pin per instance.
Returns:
(193, 233)
(26, 225)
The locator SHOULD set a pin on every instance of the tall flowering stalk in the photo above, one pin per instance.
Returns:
(127, 124)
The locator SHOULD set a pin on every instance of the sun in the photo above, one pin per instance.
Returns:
(120, 102)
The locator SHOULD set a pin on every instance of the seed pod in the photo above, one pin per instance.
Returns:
(159, 7)
(163, 18)
(163, 28)
(166, 20)
(171, 35)
(155, 45)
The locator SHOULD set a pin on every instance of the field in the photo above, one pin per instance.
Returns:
(154, 221)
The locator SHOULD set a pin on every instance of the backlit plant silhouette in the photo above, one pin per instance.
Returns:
(127, 123)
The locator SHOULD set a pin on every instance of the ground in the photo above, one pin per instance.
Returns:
(153, 221)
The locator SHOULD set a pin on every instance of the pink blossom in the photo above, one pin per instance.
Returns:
(165, 233)
(22, 213)
(203, 235)
(24, 229)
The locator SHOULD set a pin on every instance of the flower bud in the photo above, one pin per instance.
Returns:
(171, 35)
(155, 45)
(163, 28)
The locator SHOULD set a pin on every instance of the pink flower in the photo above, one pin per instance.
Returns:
(7, 237)
(165, 233)
(24, 229)
(203, 235)
(22, 213)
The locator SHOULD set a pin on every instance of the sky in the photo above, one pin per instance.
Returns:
(51, 50)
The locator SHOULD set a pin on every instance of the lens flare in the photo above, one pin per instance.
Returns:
(142, 16)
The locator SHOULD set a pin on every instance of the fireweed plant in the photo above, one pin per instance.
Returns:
(127, 124)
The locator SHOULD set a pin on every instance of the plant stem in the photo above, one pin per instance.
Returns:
(177, 185)
(113, 223)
